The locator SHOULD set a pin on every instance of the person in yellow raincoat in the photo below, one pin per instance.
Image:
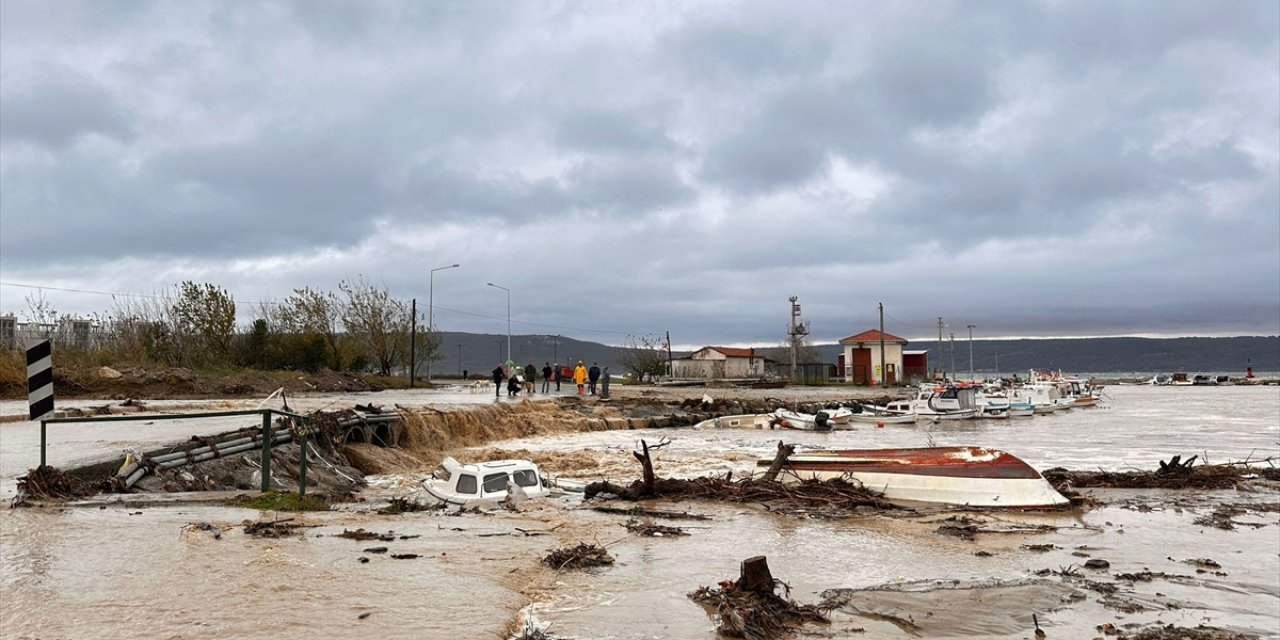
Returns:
(580, 376)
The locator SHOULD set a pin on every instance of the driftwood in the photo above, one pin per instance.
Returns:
(1174, 474)
(779, 461)
(583, 555)
(749, 608)
(652, 513)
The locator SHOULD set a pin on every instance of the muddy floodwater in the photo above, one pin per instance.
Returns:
(189, 571)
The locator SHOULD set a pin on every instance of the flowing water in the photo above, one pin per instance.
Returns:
(117, 572)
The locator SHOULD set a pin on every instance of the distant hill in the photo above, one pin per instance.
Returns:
(1104, 355)
(479, 353)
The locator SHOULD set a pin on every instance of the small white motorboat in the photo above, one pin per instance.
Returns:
(820, 421)
(882, 417)
(741, 421)
(969, 476)
(463, 484)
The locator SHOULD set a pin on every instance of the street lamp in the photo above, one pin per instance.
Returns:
(508, 316)
(431, 285)
(971, 352)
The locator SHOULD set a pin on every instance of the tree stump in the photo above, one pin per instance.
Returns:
(754, 576)
(779, 461)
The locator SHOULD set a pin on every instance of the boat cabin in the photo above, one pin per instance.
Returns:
(459, 483)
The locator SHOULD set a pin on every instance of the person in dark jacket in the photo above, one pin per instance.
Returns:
(498, 375)
(530, 379)
(557, 374)
(513, 384)
(546, 377)
(593, 376)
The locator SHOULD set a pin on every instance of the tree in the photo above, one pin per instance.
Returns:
(378, 323)
(204, 319)
(313, 313)
(644, 355)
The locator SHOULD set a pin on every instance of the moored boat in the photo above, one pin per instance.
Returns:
(741, 421)
(969, 476)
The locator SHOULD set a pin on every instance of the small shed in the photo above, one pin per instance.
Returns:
(915, 366)
(862, 363)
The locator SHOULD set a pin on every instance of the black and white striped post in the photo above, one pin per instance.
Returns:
(40, 386)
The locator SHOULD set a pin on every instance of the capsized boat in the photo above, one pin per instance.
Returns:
(462, 484)
(969, 476)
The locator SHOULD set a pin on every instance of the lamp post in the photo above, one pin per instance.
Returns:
(508, 316)
(431, 285)
(971, 352)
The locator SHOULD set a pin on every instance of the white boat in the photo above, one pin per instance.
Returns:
(820, 421)
(741, 421)
(882, 417)
(947, 402)
(1019, 409)
(463, 484)
(993, 403)
(1043, 395)
(969, 476)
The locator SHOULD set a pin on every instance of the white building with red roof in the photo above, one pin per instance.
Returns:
(716, 363)
(861, 362)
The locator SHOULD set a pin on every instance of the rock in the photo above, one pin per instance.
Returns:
(1096, 563)
(108, 373)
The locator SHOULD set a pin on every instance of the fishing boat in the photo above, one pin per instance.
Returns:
(947, 402)
(741, 421)
(1021, 409)
(464, 484)
(820, 421)
(968, 476)
(882, 417)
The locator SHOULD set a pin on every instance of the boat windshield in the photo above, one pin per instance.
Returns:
(525, 478)
(495, 482)
(466, 484)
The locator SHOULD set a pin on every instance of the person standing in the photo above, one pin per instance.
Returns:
(593, 375)
(530, 378)
(546, 377)
(498, 375)
(557, 373)
(580, 376)
(604, 382)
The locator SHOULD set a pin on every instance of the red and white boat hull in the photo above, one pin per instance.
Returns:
(970, 476)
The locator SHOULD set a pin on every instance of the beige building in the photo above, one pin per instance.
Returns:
(860, 360)
(716, 363)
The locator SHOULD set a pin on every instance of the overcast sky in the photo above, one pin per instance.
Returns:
(1032, 168)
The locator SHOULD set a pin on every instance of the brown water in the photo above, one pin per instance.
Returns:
(85, 572)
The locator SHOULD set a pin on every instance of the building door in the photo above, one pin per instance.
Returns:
(861, 366)
(891, 373)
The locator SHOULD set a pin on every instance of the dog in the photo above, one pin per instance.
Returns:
(480, 385)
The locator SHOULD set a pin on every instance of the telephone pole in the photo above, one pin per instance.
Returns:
(796, 331)
(971, 352)
(942, 363)
(884, 367)
(953, 353)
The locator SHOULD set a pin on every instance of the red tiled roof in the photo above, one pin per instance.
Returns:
(734, 352)
(872, 335)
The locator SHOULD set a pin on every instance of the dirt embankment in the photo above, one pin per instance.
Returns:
(161, 383)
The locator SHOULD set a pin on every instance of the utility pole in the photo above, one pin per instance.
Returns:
(670, 371)
(555, 350)
(413, 344)
(942, 362)
(884, 367)
(953, 353)
(971, 352)
(460, 359)
(796, 331)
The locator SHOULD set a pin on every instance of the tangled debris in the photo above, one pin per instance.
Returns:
(820, 498)
(51, 482)
(580, 557)
(749, 607)
(275, 528)
(1223, 516)
(651, 529)
(1174, 474)
(1202, 632)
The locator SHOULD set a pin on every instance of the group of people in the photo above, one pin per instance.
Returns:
(525, 380)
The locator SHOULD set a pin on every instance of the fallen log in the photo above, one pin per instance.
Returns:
(779, 461)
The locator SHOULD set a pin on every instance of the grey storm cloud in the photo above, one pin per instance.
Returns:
(677, 164)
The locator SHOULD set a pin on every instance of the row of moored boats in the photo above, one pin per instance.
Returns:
(952, 401)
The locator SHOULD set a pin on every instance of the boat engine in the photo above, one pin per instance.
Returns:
(821, 421)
